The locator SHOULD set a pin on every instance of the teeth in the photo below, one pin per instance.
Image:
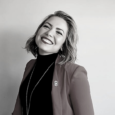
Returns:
(47, 41)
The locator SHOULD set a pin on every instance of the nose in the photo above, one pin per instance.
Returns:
(49, 33)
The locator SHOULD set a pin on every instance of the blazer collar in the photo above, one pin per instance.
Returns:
(58, 59)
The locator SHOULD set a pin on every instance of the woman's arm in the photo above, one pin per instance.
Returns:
(80, 93)
(17, 109)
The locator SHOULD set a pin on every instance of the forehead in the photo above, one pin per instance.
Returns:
(58, 22)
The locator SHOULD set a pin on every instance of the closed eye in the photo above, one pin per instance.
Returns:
(46, 26)
(59, 33)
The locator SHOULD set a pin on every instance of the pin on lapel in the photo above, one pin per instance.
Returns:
(55, 83)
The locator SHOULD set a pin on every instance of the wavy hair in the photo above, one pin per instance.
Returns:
(69, 52)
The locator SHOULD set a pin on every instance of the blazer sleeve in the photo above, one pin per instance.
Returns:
(80, 93)
(18, 108)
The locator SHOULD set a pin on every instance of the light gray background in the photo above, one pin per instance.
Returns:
(95, 19)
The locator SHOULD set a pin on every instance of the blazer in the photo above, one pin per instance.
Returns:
(70, 90)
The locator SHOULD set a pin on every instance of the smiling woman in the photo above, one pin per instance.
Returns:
(53, 84)
(51, 35)
(68, 50)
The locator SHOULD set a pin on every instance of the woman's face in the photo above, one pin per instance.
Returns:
(51, 35)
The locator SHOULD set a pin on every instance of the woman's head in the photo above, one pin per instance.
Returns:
(51, 36)
(57, 33)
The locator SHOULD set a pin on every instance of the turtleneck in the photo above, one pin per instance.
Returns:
(46, 59)
(41, 97)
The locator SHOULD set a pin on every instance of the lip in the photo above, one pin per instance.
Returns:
(47, 39)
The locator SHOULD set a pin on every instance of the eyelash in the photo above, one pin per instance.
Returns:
(46, 26)
(59, 33)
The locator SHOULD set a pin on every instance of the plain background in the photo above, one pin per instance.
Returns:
(95, 20)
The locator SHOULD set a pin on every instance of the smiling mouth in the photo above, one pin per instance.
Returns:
(46, 40)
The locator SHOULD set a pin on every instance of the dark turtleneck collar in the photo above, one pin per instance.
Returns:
(46, 59)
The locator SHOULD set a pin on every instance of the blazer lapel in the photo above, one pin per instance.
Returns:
(56, 96)
(28, 68)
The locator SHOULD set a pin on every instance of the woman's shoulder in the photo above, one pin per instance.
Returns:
(31, 62)
(73, 68)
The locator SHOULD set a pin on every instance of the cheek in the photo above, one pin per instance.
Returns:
(37, 39)
(40, 32)
(60, 41)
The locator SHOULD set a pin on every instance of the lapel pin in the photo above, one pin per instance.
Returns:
(56, 83)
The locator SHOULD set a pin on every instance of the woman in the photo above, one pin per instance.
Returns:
(53, 84)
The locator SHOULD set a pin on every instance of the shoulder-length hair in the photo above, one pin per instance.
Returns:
(69, 52)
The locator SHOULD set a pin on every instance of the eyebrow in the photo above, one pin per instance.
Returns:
(56, 28)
